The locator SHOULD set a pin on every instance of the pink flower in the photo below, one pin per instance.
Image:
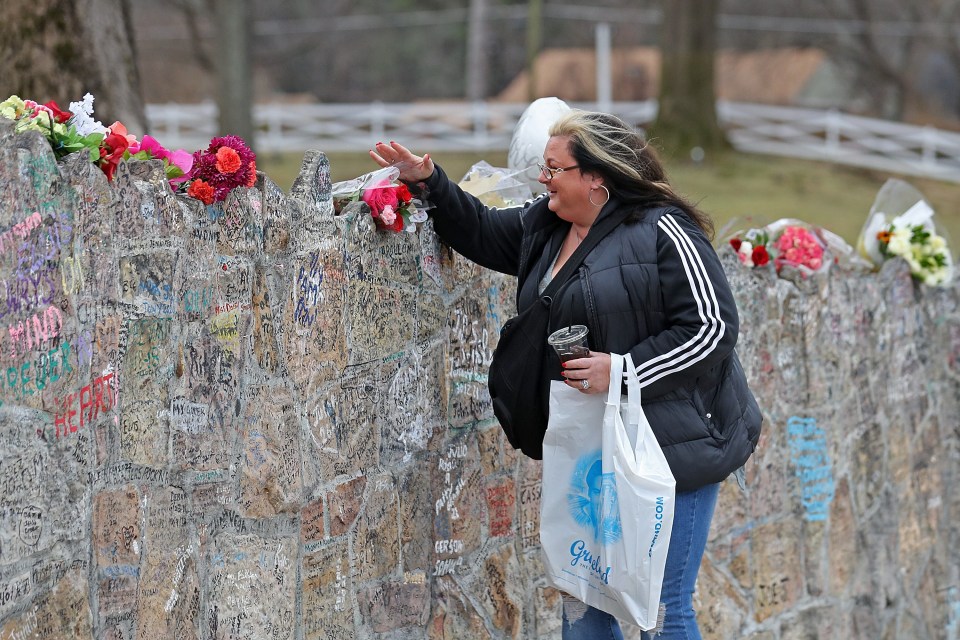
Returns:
(388, 216)
(379, 196)
(121, 130)
(799, 247)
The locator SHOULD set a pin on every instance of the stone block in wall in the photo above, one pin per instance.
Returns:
(457, 495)
(453, 614)
(270, 464)
(311, 202)
(61, 612)
(314, 320)
(250, 586)
(417, 548)
(721, 605)
(375, 542)
(327, 593)
(390, 606)
(502, 596)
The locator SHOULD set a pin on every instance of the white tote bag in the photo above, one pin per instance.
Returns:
(607, 501)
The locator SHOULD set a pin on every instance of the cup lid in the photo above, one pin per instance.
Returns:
(573, 333)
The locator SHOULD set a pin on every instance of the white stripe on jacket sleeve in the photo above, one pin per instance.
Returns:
(713, 328)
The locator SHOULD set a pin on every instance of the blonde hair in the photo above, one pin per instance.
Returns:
(603, 144)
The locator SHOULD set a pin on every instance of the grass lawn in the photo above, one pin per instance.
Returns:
(755, 189)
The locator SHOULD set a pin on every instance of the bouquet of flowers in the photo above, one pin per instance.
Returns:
(75, 131)
(495, 187)
(59, 127)
(789, 242)
(752, 247)
(391, 204)
(908, 233)
(226, 163)
(797, 245)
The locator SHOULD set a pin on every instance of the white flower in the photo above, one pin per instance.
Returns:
(937, 243)
(745, 253)
(82, 120)
(899, 242)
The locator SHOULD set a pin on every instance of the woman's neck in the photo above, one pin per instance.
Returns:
(579, 232)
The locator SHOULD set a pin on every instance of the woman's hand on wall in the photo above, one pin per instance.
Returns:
(412, 168)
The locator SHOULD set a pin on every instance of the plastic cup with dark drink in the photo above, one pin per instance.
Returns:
(570, 342)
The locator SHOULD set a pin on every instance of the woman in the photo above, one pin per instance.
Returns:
(652, 287)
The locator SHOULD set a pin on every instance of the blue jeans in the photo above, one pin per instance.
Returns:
(693, 511)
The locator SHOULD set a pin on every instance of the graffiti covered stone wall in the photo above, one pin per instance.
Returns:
(262, 420)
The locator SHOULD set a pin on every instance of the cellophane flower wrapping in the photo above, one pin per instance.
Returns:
(392, 205)
(901, 225)
(796, 244)
(751, 247)
(790, 243)
(495, 186)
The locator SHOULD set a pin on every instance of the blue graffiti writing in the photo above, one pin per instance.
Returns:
(808, 449)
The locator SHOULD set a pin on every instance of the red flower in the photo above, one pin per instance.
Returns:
(735, 243)
(111, 153)
(760, 256)
(228, 160)
(225, 164)
(403, 193)
(379, 196)
(58, 114)
(201, 191)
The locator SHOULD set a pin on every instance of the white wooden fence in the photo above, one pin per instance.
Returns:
(830, 136)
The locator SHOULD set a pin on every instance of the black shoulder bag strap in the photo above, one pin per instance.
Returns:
(519, 387)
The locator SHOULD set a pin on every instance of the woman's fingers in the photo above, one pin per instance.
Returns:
(412, 168)
(590, 374)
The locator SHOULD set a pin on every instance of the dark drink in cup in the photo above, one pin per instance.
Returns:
(570, 342)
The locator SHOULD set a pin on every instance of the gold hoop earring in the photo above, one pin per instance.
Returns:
(590, 196)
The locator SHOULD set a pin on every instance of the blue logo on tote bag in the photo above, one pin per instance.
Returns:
(592, 499)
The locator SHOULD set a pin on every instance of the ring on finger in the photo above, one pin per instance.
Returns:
(585, 384)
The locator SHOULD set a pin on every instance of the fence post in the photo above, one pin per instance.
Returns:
(834, 126)
(378, 116)
(480, 119)
(929, 151)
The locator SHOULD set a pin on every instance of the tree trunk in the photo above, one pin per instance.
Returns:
(687, 117)
(61, 49)
(235, 95)
(477, 51)
(534, 38)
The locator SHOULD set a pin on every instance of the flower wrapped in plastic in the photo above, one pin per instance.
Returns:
(751, 247)
(900, 225)
(392, 206)
(797, 244)
(793, 244)
(495, 186)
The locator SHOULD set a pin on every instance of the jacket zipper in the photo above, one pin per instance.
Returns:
(591, 308)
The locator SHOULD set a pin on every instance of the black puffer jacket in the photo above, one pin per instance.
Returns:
(654, 288)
